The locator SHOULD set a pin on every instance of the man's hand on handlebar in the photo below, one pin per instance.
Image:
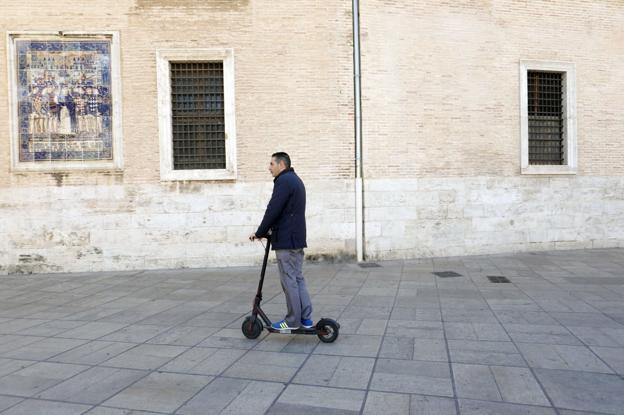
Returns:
(253, 236)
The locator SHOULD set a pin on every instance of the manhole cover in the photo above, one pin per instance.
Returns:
(447, 274)
(369, 265)
(498, 279)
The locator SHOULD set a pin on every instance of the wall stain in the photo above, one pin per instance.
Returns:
(92, 251)
(185, 186)
(29, 259)
(32, 264)
(59, 178)
(334, 257)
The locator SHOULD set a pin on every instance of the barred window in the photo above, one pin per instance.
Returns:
(548, 117)
(198, 119)
(196, 114)
(545, 116)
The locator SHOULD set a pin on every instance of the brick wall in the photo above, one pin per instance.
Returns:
(441, 83)
(441, 133)
(293, 69)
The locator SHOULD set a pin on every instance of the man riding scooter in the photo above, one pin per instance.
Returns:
(285, 218)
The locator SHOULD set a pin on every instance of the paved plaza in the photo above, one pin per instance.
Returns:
(551, 341)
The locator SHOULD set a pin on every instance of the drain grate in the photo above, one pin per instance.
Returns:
(498, 279)
(369, 265)
(447, 274)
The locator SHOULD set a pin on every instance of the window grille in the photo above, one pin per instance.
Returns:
(198, 119)
(545, 114)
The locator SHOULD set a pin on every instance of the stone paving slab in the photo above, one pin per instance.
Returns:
(233, 396)
(595, 336)
(92, 331)
(93, 353)
(8, 401)
(545, 334)
(51, 328)
(102, 410)
(336, 371)
(555, 356)
(16, 324)
(183, 336)
(428, 378)
(38, 377)
(93, 386)
(585, 391)
(398, 404)
(475, 331)
(136, 333)
(203, 361)
(612, 356)
(352, 345)
(159, 392)
(145, 356)
(165, 342)
(473, 407)
(10, 342)
(8, 366)
(329, 399)
(269, 366)
(432, 405)
(518, 385)
(44, 349)
(485, 352)
(31, 406)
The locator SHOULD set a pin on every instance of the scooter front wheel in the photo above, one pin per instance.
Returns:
(252, 327)
(327, 330)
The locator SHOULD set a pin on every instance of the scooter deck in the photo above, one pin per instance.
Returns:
(300, 330)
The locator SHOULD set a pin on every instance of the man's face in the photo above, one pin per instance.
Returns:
(275, 168)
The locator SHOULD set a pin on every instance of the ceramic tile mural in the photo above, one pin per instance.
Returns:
(64, 100)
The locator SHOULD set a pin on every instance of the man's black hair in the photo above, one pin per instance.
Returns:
(281, 156)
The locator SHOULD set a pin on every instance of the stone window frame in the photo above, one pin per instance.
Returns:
(163, 57)
(568, 70)
(116, 164)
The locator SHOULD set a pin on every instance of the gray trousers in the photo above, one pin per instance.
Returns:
(290, 262)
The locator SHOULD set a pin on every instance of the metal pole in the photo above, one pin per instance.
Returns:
(359, 190)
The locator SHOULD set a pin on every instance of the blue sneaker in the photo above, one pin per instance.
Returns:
(307, 323)
(282, 326)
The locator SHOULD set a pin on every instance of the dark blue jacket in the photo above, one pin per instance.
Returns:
(285, 214)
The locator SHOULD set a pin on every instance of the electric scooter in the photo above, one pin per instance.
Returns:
(326, 329)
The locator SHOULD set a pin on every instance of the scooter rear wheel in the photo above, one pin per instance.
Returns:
(327, 330)
(251, 329)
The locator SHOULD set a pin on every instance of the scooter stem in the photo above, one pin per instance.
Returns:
(267, 249)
